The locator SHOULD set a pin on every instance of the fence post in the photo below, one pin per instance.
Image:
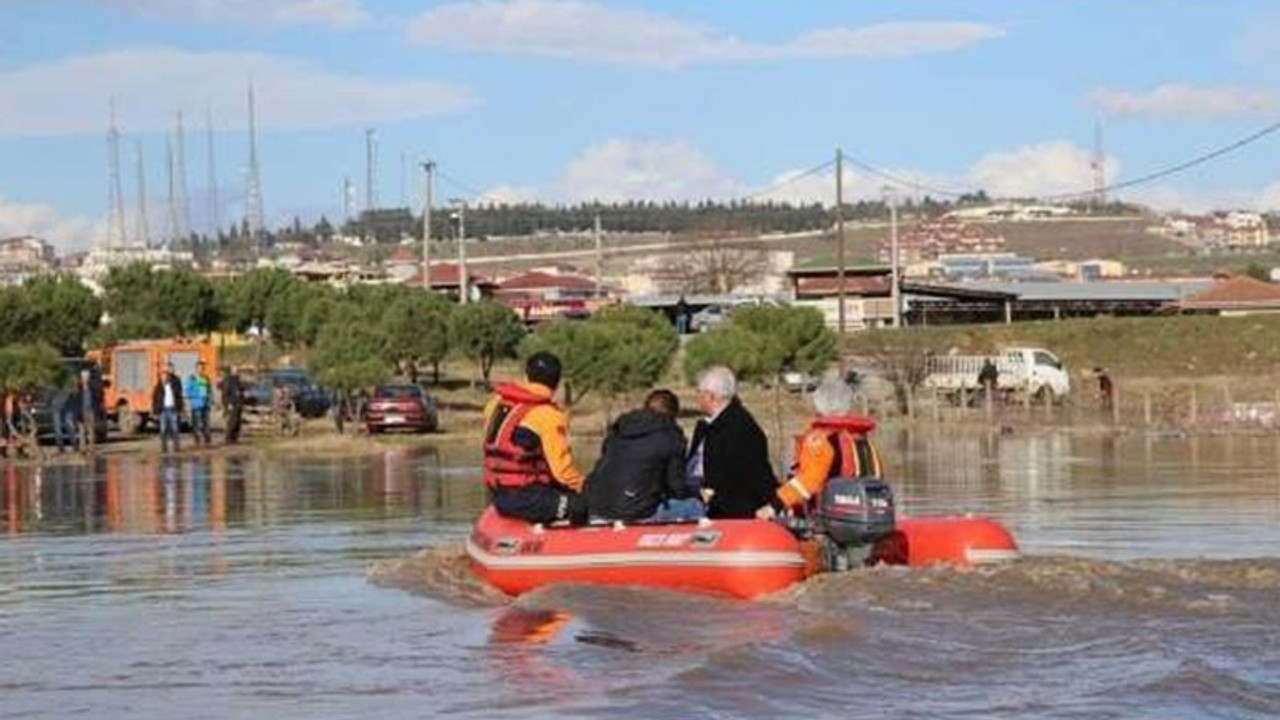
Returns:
(1226, 397)
(1146, 409)
(1195, 409)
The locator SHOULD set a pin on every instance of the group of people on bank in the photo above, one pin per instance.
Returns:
(646, 471)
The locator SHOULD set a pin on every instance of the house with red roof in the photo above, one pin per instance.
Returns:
(1238, 295)
(447, 277)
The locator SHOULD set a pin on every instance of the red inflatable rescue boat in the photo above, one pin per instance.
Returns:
(739, 558)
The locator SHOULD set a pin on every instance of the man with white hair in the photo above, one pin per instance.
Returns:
(835, 445)
(729, 451)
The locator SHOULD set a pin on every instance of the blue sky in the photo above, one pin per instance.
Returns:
(571, 100)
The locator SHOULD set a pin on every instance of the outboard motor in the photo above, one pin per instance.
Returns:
(852, 514)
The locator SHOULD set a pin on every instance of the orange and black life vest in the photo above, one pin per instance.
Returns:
(855, 456)
(506, 464)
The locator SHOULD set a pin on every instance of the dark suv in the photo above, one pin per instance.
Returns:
(310, 400)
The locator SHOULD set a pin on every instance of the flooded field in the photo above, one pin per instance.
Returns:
(225, 587)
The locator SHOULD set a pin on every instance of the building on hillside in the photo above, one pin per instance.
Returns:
(1232, 296)
(1083, 270)
(100, 260)
(1234, 230)
(538, 296)
(24, 257)
(447, 278)
(1010, 211)
(930, 240)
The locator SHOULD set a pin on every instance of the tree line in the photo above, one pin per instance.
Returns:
(360, 336)
(389, 225)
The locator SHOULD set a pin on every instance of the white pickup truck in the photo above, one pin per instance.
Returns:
(1024, 372)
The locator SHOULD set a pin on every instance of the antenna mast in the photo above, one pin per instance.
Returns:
(142, 233)
(115, 195)
(253, 191)
(1099, 166)
(213, 211)
(183, 208)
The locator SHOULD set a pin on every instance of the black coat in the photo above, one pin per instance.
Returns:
(735, 463)
(157, 395)
(641, 464)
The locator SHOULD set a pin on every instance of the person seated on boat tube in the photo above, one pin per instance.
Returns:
(528, 463)
(729, 451)
(835, 445)
(641, 471)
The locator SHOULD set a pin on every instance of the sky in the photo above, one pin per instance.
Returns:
(571, 100)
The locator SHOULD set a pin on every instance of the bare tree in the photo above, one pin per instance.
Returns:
(717, 263)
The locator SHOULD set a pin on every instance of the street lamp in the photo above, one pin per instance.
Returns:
(895, 290)
(460, 214)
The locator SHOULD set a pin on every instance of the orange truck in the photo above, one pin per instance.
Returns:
(131, 370)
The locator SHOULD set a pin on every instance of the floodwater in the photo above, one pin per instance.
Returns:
(224, 587)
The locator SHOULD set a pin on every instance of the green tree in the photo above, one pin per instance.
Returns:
(143, 302)
(485, 331)
(349, 352)
(618, 350)
(60, 311)
(416, 331)
(248, 299)
(732, 346)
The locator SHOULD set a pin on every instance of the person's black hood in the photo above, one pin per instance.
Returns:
(639, 423)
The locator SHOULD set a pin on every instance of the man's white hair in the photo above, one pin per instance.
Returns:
(719, 381)
(833, 396)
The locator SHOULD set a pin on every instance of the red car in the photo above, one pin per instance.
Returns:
(401, 407)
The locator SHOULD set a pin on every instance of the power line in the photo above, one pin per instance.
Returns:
(787, 181)
(1096, 190)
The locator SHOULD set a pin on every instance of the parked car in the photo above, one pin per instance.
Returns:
(310, 400)
(401, 407)
(708, 317)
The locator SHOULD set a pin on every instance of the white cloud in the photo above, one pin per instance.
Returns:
(1053, 168)
(644, 170)
(45, 222)
(594, 32)
(71, 95)
(340, 14)
(628, 169)
(901, 39)
(1186, 102)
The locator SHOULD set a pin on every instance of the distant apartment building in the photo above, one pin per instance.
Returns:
(24, 257)
(1234, 230)
(928, 241)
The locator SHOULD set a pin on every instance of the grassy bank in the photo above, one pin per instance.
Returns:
(1184, 347)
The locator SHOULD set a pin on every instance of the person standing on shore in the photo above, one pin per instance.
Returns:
(166, 406)
(199, 391)
(63, 411)
(89, 398)
(232, 404)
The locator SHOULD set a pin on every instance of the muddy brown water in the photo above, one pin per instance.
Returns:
(217, 587)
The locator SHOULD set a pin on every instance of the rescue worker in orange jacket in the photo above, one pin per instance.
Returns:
(835, 445)
(528, 463)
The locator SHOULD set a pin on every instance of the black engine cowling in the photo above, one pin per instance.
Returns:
(855, 512)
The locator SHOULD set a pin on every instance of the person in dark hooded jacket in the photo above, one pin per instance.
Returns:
(642, 465)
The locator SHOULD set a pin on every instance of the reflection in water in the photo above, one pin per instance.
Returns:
(177, 494)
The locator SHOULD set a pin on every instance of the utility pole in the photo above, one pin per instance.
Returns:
(463, 282)
(429, 167)
(895, 290)
(599, 236)
(840, 255)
